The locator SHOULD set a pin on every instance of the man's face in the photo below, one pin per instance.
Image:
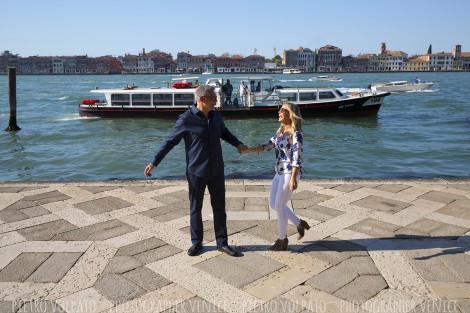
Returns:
(210, 99)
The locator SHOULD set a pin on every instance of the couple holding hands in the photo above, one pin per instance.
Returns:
(202, 127)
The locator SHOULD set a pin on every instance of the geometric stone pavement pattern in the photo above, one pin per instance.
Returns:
(120, 246)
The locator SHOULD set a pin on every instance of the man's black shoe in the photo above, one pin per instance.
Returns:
(228, 250)
(194, 249)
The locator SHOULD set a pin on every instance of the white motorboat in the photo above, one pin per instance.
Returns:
(401, 86)
(326, 78)
(291, 71)
(263, 99)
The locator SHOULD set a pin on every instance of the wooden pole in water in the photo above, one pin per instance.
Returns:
(12, 126)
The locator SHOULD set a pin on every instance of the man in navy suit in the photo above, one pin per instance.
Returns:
(202, 127)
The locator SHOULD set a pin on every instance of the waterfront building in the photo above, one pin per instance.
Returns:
(418, 63)
(356, 64)
(329, 59)
(387, 60)
(302, 58)
(8, 60)
(440, 61)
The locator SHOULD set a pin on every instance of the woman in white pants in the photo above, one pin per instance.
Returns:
(287, 142)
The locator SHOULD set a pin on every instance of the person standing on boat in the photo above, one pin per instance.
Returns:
(202, 127)
(228, 89)
(242, 90)
(287, 142)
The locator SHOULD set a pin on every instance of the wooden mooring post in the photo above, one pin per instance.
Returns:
(12, 126)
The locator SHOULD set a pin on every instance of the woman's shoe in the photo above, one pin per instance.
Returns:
(279, 245)
(303, 225)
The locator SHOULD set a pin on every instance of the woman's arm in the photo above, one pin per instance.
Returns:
(253, 149)
(293, 179)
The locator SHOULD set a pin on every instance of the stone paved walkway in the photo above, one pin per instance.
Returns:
(374, 246)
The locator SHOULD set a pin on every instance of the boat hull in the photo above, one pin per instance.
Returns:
(353, 106)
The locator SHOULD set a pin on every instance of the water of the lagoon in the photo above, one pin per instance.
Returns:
(414, 135)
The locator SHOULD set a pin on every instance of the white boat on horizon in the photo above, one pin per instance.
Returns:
(401, 86)
(291, 71)
(326, 78)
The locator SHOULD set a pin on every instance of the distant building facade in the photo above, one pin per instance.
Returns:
(329, 59)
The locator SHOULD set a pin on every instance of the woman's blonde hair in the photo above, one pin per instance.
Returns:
(295, 117)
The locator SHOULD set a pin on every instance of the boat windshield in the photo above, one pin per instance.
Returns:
(339, 93)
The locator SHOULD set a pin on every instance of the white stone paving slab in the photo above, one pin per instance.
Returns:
(449, 290)
(71, 214)
(335, 224)
(163, 191)
(391, 300)
(14, 291)
(396, 270)
(85, 272)
(215, 291)
(129, 238)
(247, 215)
(75, 192)
(10, 238)
(85, 301)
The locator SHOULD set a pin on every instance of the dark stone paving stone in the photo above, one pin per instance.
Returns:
(235, 188)
(333, 250)
(98, 231)
(168, 212)
(11, 189)
(37, 233)
(120, 264)
(98, 189)
(156, 254)
(35, 211)
(10, 216)
(22, 204)
(239, 271)
(167, 199)
(425, 227)
(54, 268)
(441, 197)
(361, 265)
(393, 188)
(118, 288)
(457, 208)
(331, 279)
(141, 246)
(362, 288)
(305, 199)
(47, 197)
(267, 229)
(375, 228)
(347, 187)
(22, 266)
(377, 203)
(256, 204)
(147, 278)
(255, 188)
(103, 205)
(41, 306)
(142, 189)
(235, 204)
(319, 213)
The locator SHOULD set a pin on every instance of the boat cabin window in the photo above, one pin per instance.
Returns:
(162, 99)
(339, 93)
(184, 99)
(305, 96)
(326, 95)
(266, 85)
(141, 99)
(288, 96)
(120, 99)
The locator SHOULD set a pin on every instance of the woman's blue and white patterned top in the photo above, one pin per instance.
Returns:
(288, 151)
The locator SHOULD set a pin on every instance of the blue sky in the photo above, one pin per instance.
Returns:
(116, 27)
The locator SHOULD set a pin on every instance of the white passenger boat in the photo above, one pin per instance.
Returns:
(291, 71)
(263, 100)
(325, 78)
(401, 86)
